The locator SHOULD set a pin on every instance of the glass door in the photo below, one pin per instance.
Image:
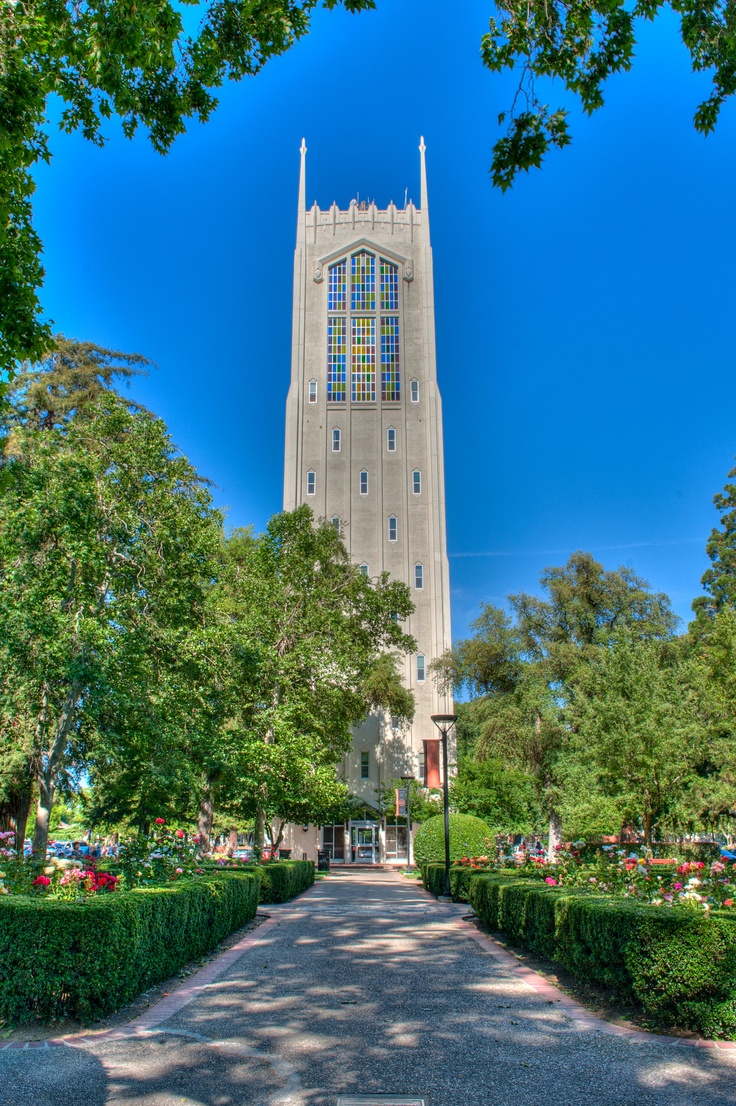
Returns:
(364, 842)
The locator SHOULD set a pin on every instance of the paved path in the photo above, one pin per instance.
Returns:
(367, 985)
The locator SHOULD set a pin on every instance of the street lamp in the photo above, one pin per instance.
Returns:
(408, 780)
(444, 723)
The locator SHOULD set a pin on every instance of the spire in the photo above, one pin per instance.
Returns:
(300, 220)
(423, 201)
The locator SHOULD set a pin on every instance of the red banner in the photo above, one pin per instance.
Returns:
(432, 764)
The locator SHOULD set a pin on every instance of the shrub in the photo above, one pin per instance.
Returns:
(85, 959)
(283, 879)
(469, 836)
(678, 963)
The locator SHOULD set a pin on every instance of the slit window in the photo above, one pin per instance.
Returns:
(414, 391)
(312, 391)
(311, 482)
(421, 668)
(336, 440)
(365, 766)
(416, 482)
(335, 520)
(393, 528)
(418, 576)
(364, 483)
(391, 440)
(364, 569)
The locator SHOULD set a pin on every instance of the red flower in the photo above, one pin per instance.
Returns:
(41, 881)
(728, 902)
(180, 833)
(160, 821)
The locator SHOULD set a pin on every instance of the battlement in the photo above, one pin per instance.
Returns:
(363, 216)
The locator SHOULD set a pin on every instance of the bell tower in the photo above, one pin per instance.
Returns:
(364, 433)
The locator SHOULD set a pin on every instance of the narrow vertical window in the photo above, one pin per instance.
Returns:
(416, 482)
(336, 439)
(364, 569)
(363, 360)
(363, 282)
(335, 520)
(390, 380)
(423, 768)
(421, 668)
(365, 766)
(391, 440)
(418, 576)
(337, 278)
(311, 482)
(414, 391)
(364, 483)
(312, 391)
(337, 356)
(389, 286)
(393, 528)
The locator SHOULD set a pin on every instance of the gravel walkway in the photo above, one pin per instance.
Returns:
(366, 985)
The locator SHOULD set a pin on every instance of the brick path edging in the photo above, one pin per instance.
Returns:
(145, 1024)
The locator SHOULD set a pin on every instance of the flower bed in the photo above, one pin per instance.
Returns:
(85, 958)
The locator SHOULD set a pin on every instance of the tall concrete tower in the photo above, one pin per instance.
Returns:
(364, 450)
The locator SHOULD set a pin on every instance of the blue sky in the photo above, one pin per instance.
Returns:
(585, 320)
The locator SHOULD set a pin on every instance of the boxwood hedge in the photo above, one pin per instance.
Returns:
(85, 959)
(679, 964)
(283, 879)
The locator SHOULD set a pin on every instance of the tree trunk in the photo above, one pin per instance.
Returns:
(555, 834)
(259, 835)
(648, 828)
(205, 819)
(233, 842)
(43, 814)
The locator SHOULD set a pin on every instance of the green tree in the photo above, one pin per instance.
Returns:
(583, 43)
(639, 729)
(107, 547)
(505, 798)
(719, 581)
(103, 59)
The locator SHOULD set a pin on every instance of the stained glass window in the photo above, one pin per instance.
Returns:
(416, 482)
(364, 360)
(337, 334)
(363, 282)
(390, 383)
(389, 286)
(337, 292)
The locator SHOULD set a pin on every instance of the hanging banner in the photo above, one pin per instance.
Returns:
(400, 802)
(432, 764)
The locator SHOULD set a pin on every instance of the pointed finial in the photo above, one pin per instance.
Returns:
(423, 200)
(422, 147)
(303, 147)
(302, 204)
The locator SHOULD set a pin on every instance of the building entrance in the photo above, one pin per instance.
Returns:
(364, 842)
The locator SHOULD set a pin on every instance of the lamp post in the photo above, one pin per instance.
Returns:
(408, 780)
(444, 723)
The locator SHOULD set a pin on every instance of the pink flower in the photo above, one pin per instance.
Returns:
(160, 821)
(548, 879)
(677, 886)
(179, 871)
(180, 833)
(41, 881)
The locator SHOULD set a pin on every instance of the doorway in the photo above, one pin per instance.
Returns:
(364, 842)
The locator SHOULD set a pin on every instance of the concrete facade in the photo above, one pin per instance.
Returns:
(372, 459)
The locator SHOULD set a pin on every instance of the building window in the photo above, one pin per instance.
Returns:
(416, 482)
(418, 576)
(364, 569)
(312, 391)
(389, 286)
(335, 520)
(311, 482)
(337, 356)
(421, 668)
(393, 528)
(336, 439)
(333, 839)
(391, 440)
(414, 391)
(423, 768)
(337, 278)
(365, 766)
(390, 382)
(364, 483)
(363, 282)
(363, 362)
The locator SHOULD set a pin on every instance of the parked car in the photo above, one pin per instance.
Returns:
(245, 852)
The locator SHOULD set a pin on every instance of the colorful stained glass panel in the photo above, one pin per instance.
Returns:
(390, 377)
(337, 340)
(363, 282)
(364, 360)
(337, 287)
(389, 286)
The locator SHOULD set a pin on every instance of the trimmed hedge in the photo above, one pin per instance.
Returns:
(679, 964)
(85, 959)
(469, 836)
(283, 879)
